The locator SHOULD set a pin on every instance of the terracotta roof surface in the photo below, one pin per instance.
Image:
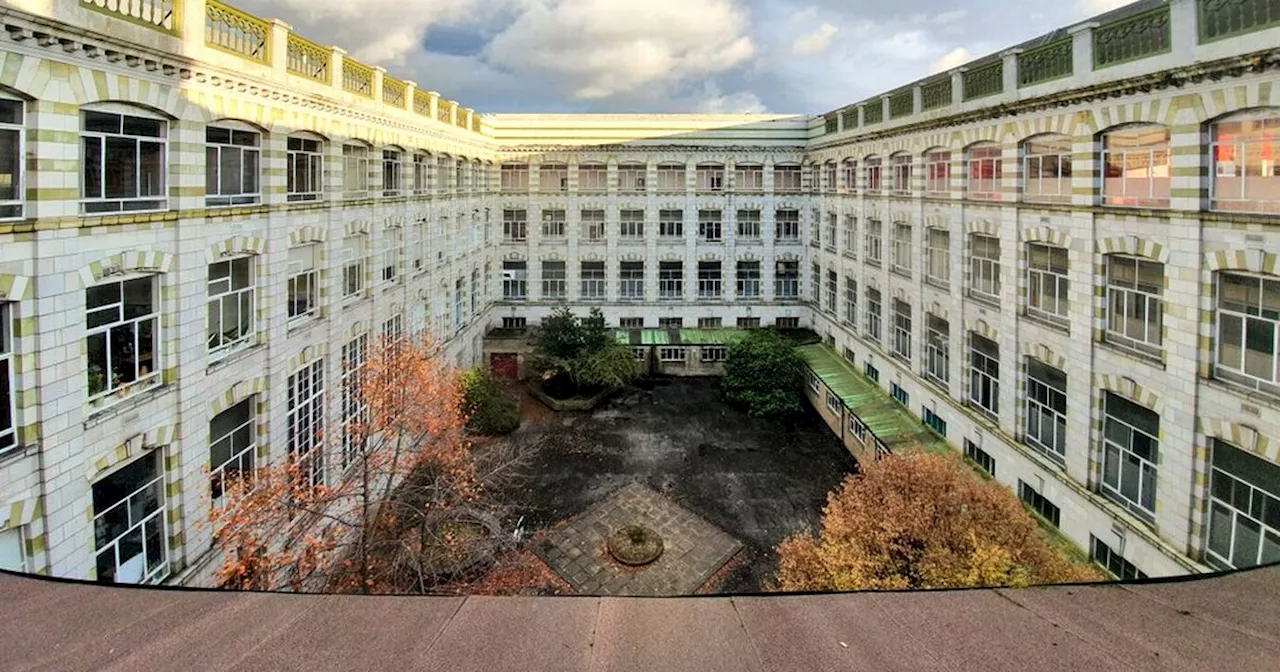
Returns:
(1229, 622)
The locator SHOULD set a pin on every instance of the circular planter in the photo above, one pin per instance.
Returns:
(634, 545)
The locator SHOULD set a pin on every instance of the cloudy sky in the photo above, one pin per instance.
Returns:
(787, 56)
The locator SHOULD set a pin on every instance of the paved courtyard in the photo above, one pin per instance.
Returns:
(756, 481)
(693, 549)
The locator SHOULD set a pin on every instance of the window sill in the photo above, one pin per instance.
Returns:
(848, 255)
(937, 283)
(231, 356)
(901, 272)
(300, 324)
(17, 452)
(1240, 389)
(983, 299)
(98, 416)
(1062, 327)
(1148, 358)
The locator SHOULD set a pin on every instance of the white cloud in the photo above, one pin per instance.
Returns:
(712, 101)
(950, 17)
(815, 43)
(952, 59)
(1095, 7)
(804, 15)
(595, 49)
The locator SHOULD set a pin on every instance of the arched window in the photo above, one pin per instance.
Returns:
(422, 173)
(593, 176)
(1135, 164)
(515, 178)
(1244, 493)
(937, 173)
(850, 178)
(1130, 447)
(631, 177)
(748, 177)
(355, 170)
(872, 168)
(829, 176)
(1244, 151)
(12, 155)
(392, 171)
(671, 177)
(306, 167)
(1046, 169)
(231, 306)
(985, 171)
(901, 164)
(1247, 313)
(1047, 281)
(124, 160)
(233, 160)
(553, 177)
(786, 177)
(122, 337)
(710, 177)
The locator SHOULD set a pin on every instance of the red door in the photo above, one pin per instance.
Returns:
(505, 365)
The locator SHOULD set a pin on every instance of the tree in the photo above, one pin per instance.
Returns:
(922, 521)
(762, 373)
(489, 408)
(576, 353)
(404, 463)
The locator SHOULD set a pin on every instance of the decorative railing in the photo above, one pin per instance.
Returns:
(421, 102)
(475, 122)
(831, 124)
(393, 91)
(230, 29)
(902, 104)
(460, 119)
(1220, 19)
(873, 112)
(1045, 63)
(1132, 38)
(849, 119)
(357, 77)
(936, 94)
(442, 110)
(307, 59)
(987, 80)
(158, 14)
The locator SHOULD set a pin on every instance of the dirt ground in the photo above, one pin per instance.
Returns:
(759, 481)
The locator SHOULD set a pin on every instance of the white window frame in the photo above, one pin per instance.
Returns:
(514, 178)
(850, 248)
(747, 279)
(672, 355)
(710, 280)
(353, 406)
(515, 281)
(671, 177)
(15, 208)
(833, 224)
(901, 176)
(710, 226)
(593, 222)
(748, 224)
(593, 177)
(241, 442)
(1047, 154)
(421, 174)
(554, 281)
(631, 224)
(748, 177)
(1261, 134)
(303, 280)
(984, 266)
(670, 280)
(902, 324)
(937, 173)
(1046, 419)
(984, 158)
(152, 197)
(305, 421)
(787, 178)
(355, 170)
(937, 349)
(851, 302)
(152, 521)
(1122, 444)
(1255, 317)
(631, 281)
(305, 168)
(901, 261)
(874, 241)
(241, 154)
(984, 376)
(786, 286)
(671, 224)
(937, 256)
(713, 353)
(833, 283)
(1151, 158)
(553, 177)
(389, 260)
(850, 169)
(593, 283)
(873, 174)
(225, 296)
(829, 176)
(786, 224)
(8, 394)
(631, 177)
(515, 225)
(834, 405)
(1249, 505)
(1127, 302)
(140, 381)
(874, 314)
(392, 172)
(1047, 285)
(353, 266)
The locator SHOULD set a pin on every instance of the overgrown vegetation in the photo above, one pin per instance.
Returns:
(579, 356)
(923, 521)
(489, 407)
(762, 373)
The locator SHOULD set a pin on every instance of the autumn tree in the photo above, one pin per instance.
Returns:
(922, 521)
(332, 518)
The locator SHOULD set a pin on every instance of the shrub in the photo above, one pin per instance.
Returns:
(573, 353)
(762, 373)
(490, 409)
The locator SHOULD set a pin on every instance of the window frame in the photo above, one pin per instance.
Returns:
(748, 225)
(218, 199)
(631, 280)
(1152, 327)
(631, 224)
(874, 315)
(554, 288)
(710, 280)
(296, 271)
(392, 172)
(13, 209)
(244, 457)
(1254, 511)
(1035, 152)
(937, 256)
(1042, 397)
(354, 262)
(592, 279)
(305, 157)
(1152, 152)
(1043, 274)
(1269, 121)
(711, 226)
(937, 172)
(984, 376)
(8, 392)
(355, 170)
(670, 280)
(902, 334)
(748, 177)
(788, 178)
(873, 240)
(157, 198)
(900, 165)
(984, 267)
(593, 177)
(1114, 479)
(245, 335)
(153, 485)
(1257, 312)
(515, 287)
(140, 382)
(747, 279)
(632, 177)
(902, 257)
(786, 225)
(515, 225)
(985, 160)
(305, 408)
(937, 349)
(784, 279)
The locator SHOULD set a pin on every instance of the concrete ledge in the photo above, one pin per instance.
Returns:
(574, 404)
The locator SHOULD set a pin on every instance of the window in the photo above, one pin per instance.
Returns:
(592, 224)
(631, 280)
(445, 180)
(984, 375)
(850, 300)
(937, 349)
(631, 177)
(592, 275)
(709, 226)
(748, 177)
(812, 379)
(1046, 170)
(937, 173)
(874, 242)
(934, 421)
(1038, 503)
(1244, 509)
(671, 177)
(902, 329)
(355, 171)
(832, 219)
(304, 418)
(1134, 304)
(641, 354)
(901, 164)
(670, 280)
(392, 172)
(631, 224)
(980, 457)
(230, 306)
(857, 429)
(631, 323)
(709, 323)
(815, 284)
(710, 177)
(355, 410)
(553, 177)
(713, 353)
(787, 225)
(1046, 408)
(708, 280)
(130, 539)
(1245, 177)
(122, 338)
(671, 355)
(984, 266)
(985, 166)
(1112, 561)
(872, 167)
(553, 222)
(815, 228)
(232, 448)
(515, 280)
(832, 292)
(850, 356)
(1135, 164)
(514, 323)
(593, 177)
(12, 158)
(515, 225)
(1130, 447)
(232, 157)
(392, 243)
(899, 394)
(850, 236)
(474, 294)
(748, 225)
(353, 266)
(787, 280)
(871, 372)
(421, 174)
(833, 404)
(1248, 329)
(786, 178)
(1047, 281)
(553, 280)
(873, 314)
(460, 171)
(514, 177)
(829, 176)
(671, 223)
(123, 163)
(850, 178)
(13, 547)
(748, 323)
(902, 248)
(937, 256)
(670, 322)
(8, 426)
(303, 281)
(418, 252)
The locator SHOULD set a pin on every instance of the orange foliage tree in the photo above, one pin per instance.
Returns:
(326, 520)
(922, 521)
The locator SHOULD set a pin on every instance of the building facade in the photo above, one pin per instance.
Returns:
(1063, 257)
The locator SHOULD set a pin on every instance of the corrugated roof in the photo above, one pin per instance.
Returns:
(678, 336)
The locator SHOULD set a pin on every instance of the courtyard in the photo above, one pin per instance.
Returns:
(723, 488)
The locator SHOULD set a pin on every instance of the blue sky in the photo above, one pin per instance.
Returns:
(787, 56)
